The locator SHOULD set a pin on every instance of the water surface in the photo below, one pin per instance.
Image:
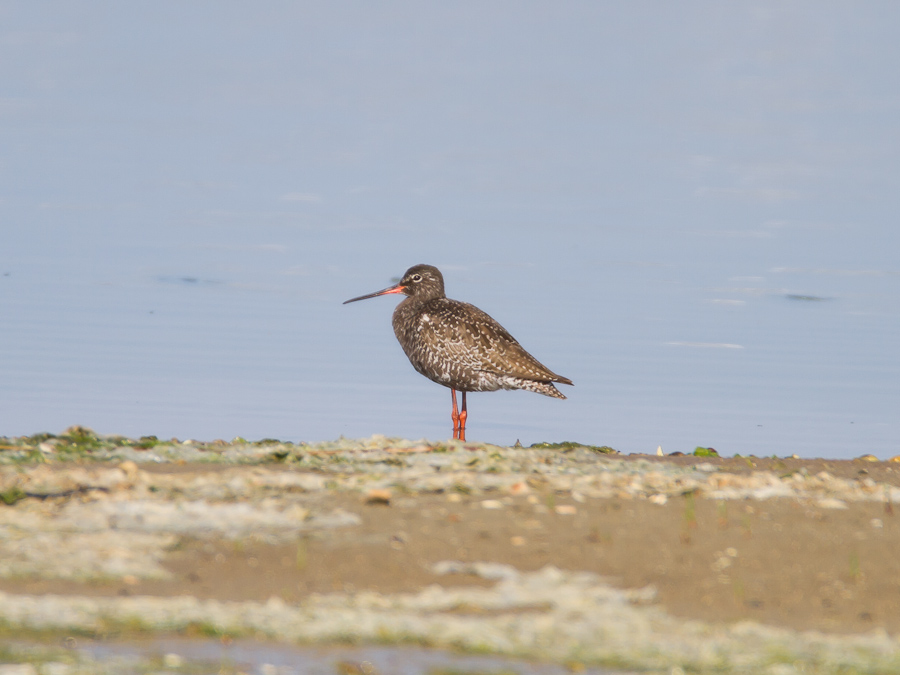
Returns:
(688, 210)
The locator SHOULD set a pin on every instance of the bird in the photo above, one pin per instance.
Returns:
(458, 345)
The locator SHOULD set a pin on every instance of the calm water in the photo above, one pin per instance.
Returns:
(262, 658)
(691, 211)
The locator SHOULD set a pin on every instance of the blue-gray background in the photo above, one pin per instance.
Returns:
(688, 208)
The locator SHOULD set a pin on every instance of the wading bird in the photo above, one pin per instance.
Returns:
(457, 345)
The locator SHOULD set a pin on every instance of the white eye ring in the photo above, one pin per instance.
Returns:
(417, 277)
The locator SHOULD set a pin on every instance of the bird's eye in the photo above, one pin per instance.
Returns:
(416, 277)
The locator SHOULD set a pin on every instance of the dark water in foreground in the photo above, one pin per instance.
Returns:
(254, 658)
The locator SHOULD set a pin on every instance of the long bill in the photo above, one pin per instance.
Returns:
(393, 289)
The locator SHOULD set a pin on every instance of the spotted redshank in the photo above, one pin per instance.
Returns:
(457, 345)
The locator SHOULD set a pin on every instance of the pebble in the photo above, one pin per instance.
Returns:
(378, 496)
(831, 503)
(519, 488)
(173, 661)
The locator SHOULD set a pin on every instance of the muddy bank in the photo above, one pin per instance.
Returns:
(567, 554)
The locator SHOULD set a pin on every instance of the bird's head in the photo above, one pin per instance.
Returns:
(420, 281)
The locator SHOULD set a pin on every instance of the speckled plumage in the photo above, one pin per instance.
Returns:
(456, 344)
(459, 346)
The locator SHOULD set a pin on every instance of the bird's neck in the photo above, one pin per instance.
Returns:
(411, 305)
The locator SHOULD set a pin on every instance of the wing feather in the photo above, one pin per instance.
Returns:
(475, 340)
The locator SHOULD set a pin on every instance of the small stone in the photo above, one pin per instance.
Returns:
(868, 458)
(565, 510)
(519, 488)
(173, 661)
(722, 562)
(877, 523)
(658, 499)
(379, 496)
(130, 469)
(492, 504)
(831, 503)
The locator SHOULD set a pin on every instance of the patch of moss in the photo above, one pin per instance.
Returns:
(78, 440)
(12, 495)
(146, 442)
(393, 461)
(705, 452)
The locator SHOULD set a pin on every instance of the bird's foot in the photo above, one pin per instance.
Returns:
(461, 433)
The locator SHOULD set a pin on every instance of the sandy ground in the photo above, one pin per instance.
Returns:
(825, 560)
(778, 561)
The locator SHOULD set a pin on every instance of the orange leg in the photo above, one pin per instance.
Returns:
(462, 417)
(455, 415)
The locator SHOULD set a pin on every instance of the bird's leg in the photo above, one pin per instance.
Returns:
(462, 417)
(455, 415)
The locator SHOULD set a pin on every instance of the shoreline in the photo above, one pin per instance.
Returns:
(681, 560)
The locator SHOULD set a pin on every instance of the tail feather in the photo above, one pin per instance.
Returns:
(545, 388)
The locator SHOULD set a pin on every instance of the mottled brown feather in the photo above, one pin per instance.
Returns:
(456, 344)
(460, 346)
